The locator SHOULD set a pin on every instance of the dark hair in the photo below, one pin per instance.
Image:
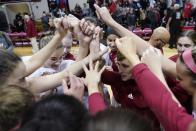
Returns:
(56, 113)
(14, 101)
(190, 34)
(8, 62)
(191, 73)
(92, 20)
(118, 119)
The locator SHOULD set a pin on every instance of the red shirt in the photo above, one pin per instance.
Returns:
(127, 94)
(187, 10)
(174, 58)
(158, 98)
(31, 29)
(96, 103)
(112, 8)
(68, 56)
(113, 56)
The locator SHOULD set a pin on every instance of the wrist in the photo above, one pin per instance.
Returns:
(93, 88)
(60, 35)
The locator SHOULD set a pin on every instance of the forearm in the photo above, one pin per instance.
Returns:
(142, 45)
(83, 51)
(45, 83)
(160, 100)
(41, 56)
(169, 67)
(76, 67)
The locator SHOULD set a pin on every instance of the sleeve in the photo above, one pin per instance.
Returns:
(110, 77)
(96, 103)
(172, 116)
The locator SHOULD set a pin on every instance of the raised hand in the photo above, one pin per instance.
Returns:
(152, 57)
(128, 49)
(93, 76)
(75, 88)
(86, 34)
(103, 14)
(95, 52)
(61, 26)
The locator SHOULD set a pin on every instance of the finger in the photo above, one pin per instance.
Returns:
(117, 41)
(98, 16)
(91, 64)
(97, 66)
(84, 27)
(82, 23)
(85, 68)
(81, 81)
(97, 32)
(88, 29)
(102, 69)
(97, 7)
(65, 87)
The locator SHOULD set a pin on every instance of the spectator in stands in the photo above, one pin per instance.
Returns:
(85, 10)
(131, 19)
(19, 23)
(187, 10)
(45, 20)
(174, 25)
(31, 32)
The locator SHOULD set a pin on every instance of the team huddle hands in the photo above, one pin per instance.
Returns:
(89, 46)
(136, 71)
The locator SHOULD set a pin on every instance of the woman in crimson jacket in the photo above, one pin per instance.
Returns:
(159, 98)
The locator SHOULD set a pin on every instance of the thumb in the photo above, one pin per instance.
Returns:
(118, 43)
(97, 7)
(97, 31)
(97, 11)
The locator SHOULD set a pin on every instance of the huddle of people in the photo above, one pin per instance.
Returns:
(153, 92)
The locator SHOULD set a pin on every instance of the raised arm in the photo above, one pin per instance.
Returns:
(168, 66)
(95, 100)
(39, 58)
(45, 83)
(158, 98)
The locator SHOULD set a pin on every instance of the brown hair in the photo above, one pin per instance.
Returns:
(190, 34)
(118, 119)
(14, 101)
(8, 62)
